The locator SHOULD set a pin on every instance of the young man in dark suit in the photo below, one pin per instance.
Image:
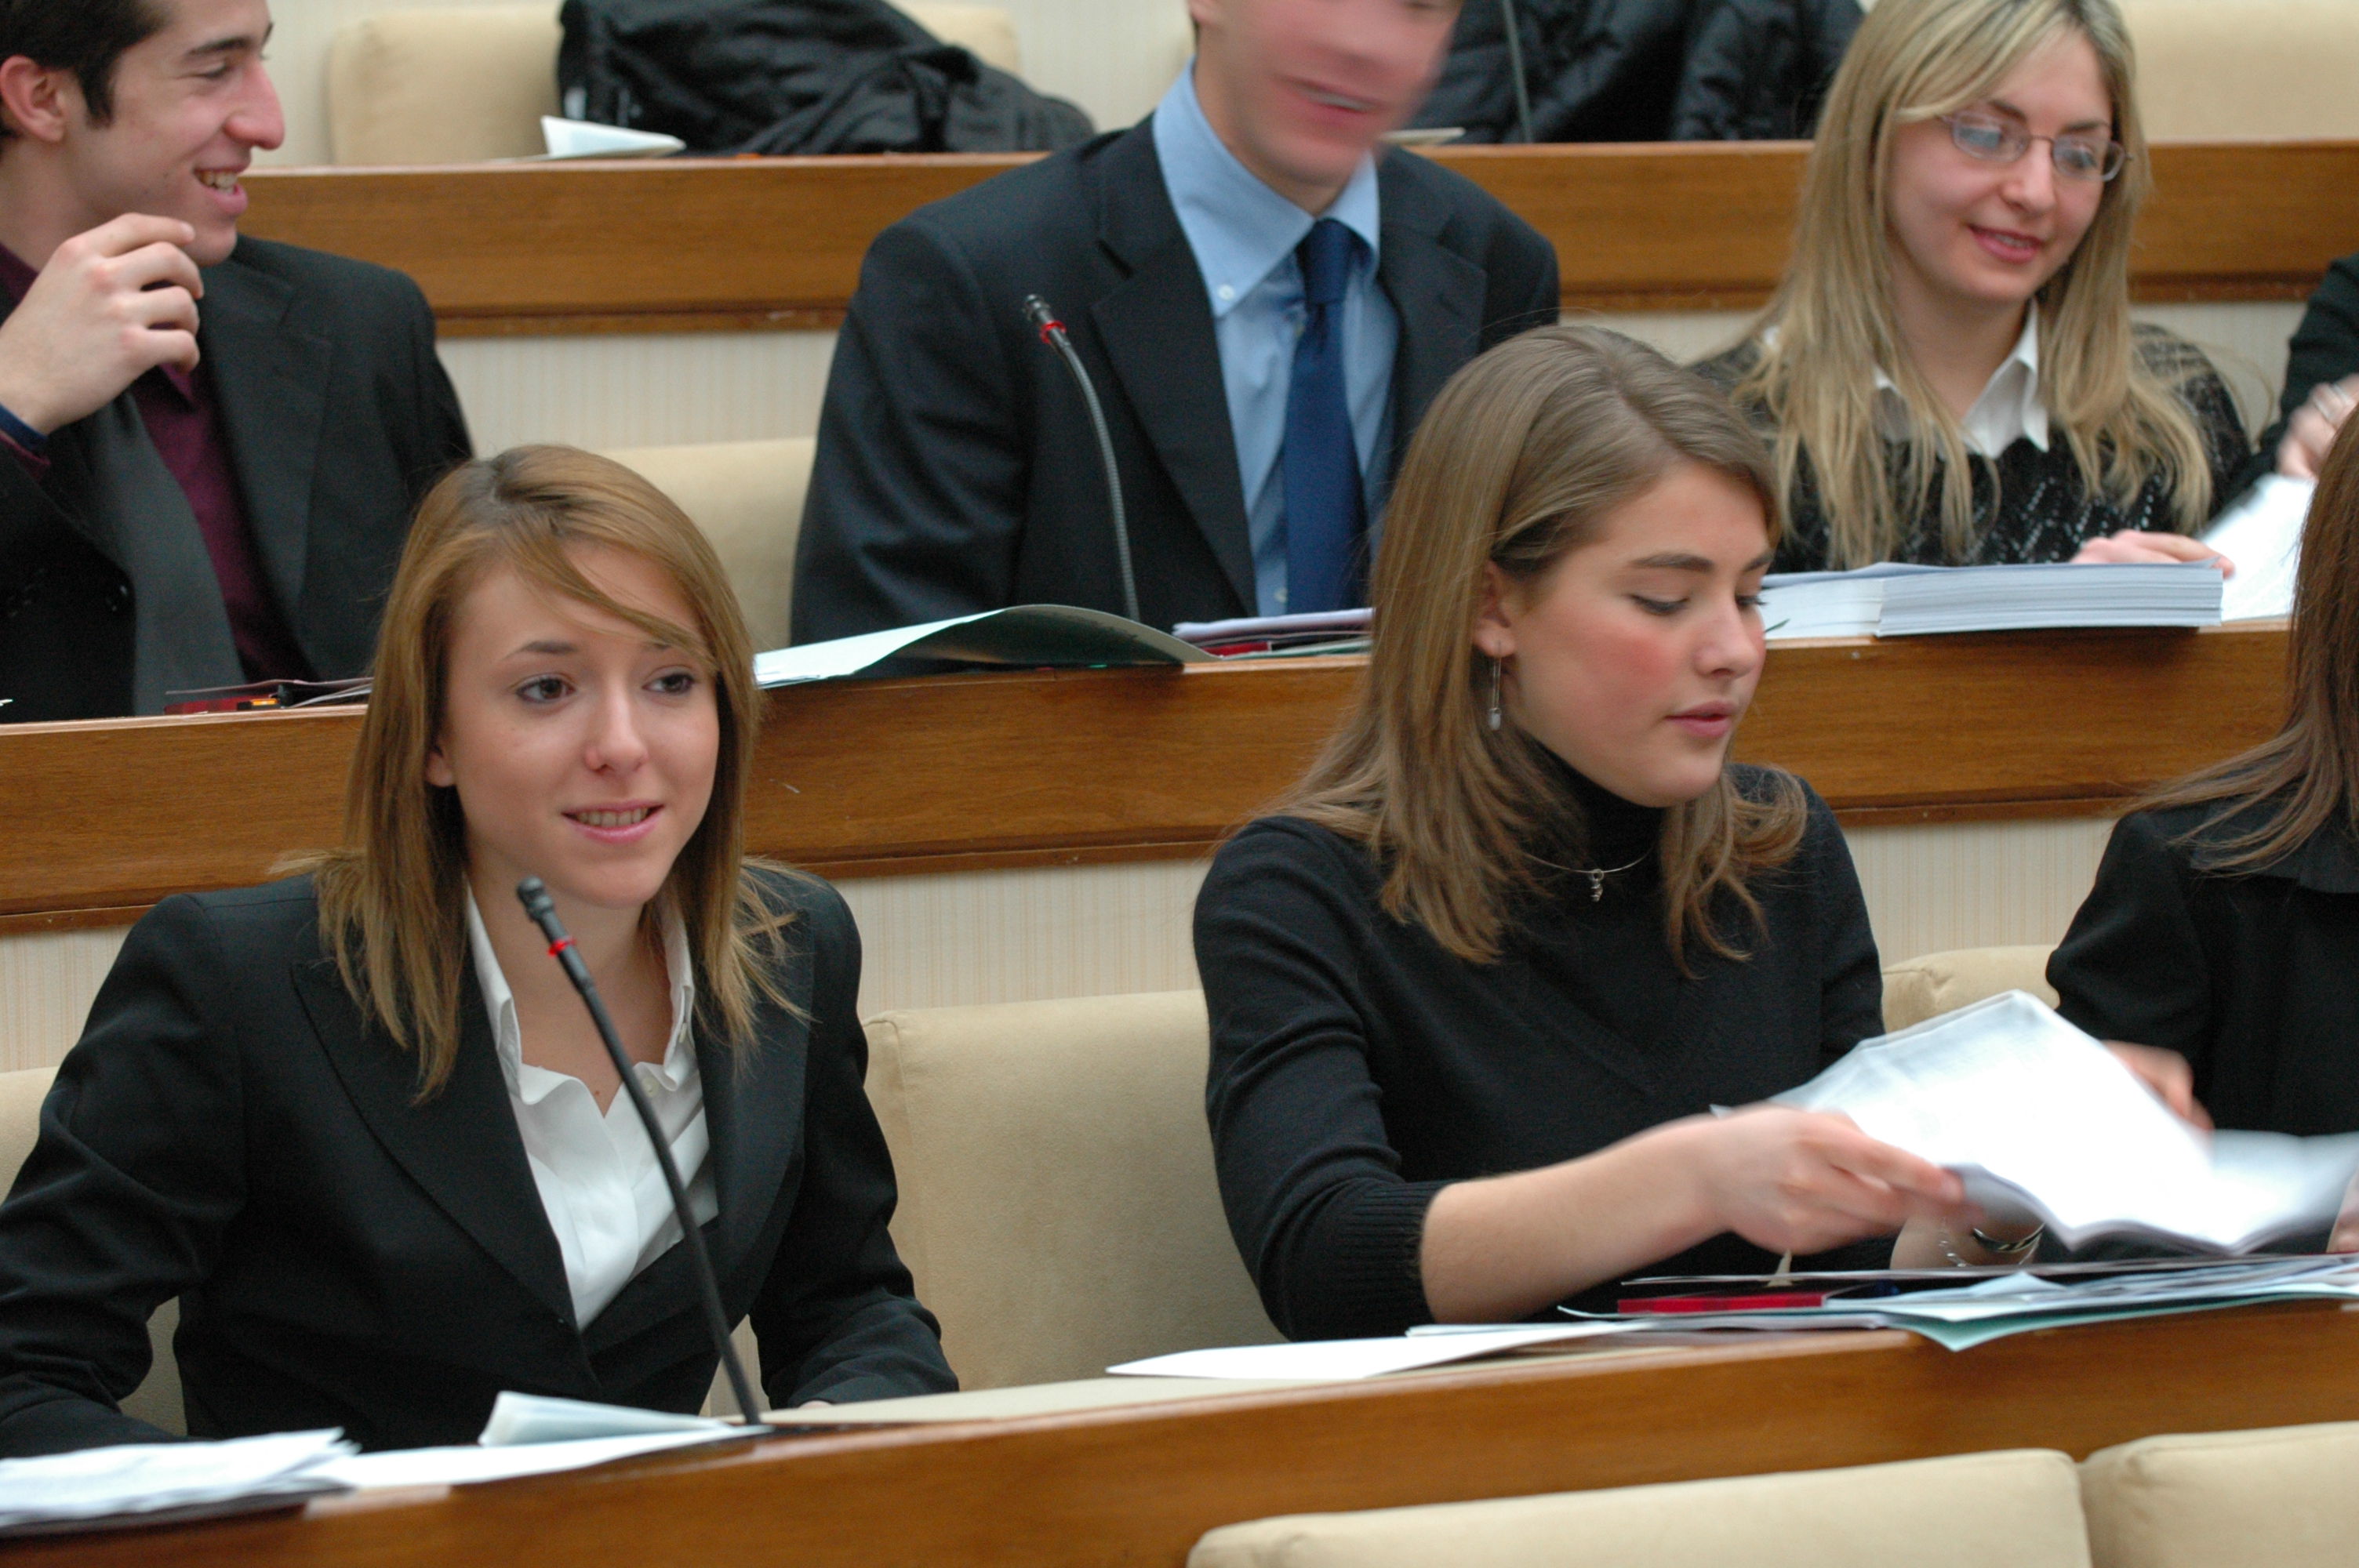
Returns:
(214, 445)
(1265, 297)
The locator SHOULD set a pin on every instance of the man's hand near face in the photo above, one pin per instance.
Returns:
(111, 305)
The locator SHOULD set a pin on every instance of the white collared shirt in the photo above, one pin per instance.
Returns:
(2009, 409)
(599, 1182)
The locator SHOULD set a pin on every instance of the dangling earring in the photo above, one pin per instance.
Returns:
(1493, 715)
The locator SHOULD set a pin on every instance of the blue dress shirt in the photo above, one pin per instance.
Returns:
(1243, 235)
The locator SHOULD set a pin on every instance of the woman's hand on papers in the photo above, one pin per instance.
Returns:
(1804, 1181)
(2311, 429)
(2133, 545)
(2168, 1075)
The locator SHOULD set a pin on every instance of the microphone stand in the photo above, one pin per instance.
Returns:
(1516, 68)
(534, 895)
(1052, 332)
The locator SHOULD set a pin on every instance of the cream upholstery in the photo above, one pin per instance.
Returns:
(2020, 1508)
(747, 496)
(1935, 983)
(157, 1400)
(2276, 1498)
(2246, 68)
(1058, 1206)
(441, 84)
(464, 83)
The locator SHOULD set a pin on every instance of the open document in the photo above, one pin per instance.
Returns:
(1027, 636)
(2028, 1108)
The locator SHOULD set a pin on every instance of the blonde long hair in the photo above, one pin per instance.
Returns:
(1833, 320)
(1522, 455)
(2304, 779)
(393, 898)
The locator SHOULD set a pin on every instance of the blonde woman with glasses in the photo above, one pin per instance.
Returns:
(1948, 372)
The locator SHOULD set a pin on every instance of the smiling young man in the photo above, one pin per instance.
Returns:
(214, 445)
(1265, 297)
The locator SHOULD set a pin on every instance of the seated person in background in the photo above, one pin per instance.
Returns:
(362, 1126)
(1948, 372)
(2224, 924)
(1265, 297)
(2321, 378)
(1477, 984)
(215, 447)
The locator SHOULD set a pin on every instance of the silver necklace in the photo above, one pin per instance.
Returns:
(1597, 875)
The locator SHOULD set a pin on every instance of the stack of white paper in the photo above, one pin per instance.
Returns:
(2027, 1108)
(139, 1480)
(1896, 600)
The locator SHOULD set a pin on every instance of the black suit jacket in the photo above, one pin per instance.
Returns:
(956, 468)
(338, 417)
(231, 1131)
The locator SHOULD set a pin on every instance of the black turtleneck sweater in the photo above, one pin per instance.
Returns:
(1358, 1067)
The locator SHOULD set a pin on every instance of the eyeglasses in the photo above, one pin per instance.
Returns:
(1996, 141)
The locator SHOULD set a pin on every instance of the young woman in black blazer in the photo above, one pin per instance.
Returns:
(2224, 924)
(362, 1127)
(1478, 985)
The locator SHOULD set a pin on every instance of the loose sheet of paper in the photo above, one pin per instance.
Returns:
(1344, 1359)
(2026, 1107)
(465, 1464)
(2262, 534)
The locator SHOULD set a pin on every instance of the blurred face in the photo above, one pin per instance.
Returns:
(1965, 233)
(583, 752)
(191, 105)
(1635, 656)
(1299, 90)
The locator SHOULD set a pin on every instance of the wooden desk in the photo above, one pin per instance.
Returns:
(1139, 1485)
(1046, 768)
(578, 248)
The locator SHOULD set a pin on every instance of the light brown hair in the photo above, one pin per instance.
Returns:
(2305, 778)
(1517, 463)
(1832, 321)
(393, 898)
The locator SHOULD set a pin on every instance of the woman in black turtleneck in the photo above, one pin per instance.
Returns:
(1477, 985)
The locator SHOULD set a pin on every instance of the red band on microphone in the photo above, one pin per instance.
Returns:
(560, 945)
(1048, 331)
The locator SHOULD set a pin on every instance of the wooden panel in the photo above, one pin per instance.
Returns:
(1139, 1485)
(740, 244)
(969, 771)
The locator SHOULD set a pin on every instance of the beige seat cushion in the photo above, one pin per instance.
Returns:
(2228, 68)
(2019, 1508)
(466, 84)
(2276, 1498)
(157, 1400)
(441, 84)
(747, 496)
(1935, 983)
(1058, 1206)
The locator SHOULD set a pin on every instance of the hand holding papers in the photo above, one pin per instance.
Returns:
(2028, 1108)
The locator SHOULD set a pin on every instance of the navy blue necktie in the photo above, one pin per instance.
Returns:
(1325, 512)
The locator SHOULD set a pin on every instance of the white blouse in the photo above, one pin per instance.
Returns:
(2009, 408)
(598, 1178)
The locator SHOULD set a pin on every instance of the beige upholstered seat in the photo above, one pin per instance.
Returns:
(1058, 1206)
(2020, 1508)
(157, 1400)
(2280, 1498)
(465, 83)
(747, 496)
(1935, 983)
(2226, 68)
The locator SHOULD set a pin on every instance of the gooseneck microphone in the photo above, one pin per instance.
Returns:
(533, 893)
(1052, 332)
(1516, 68)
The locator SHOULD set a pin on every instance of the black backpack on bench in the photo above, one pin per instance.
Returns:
(796, 75)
